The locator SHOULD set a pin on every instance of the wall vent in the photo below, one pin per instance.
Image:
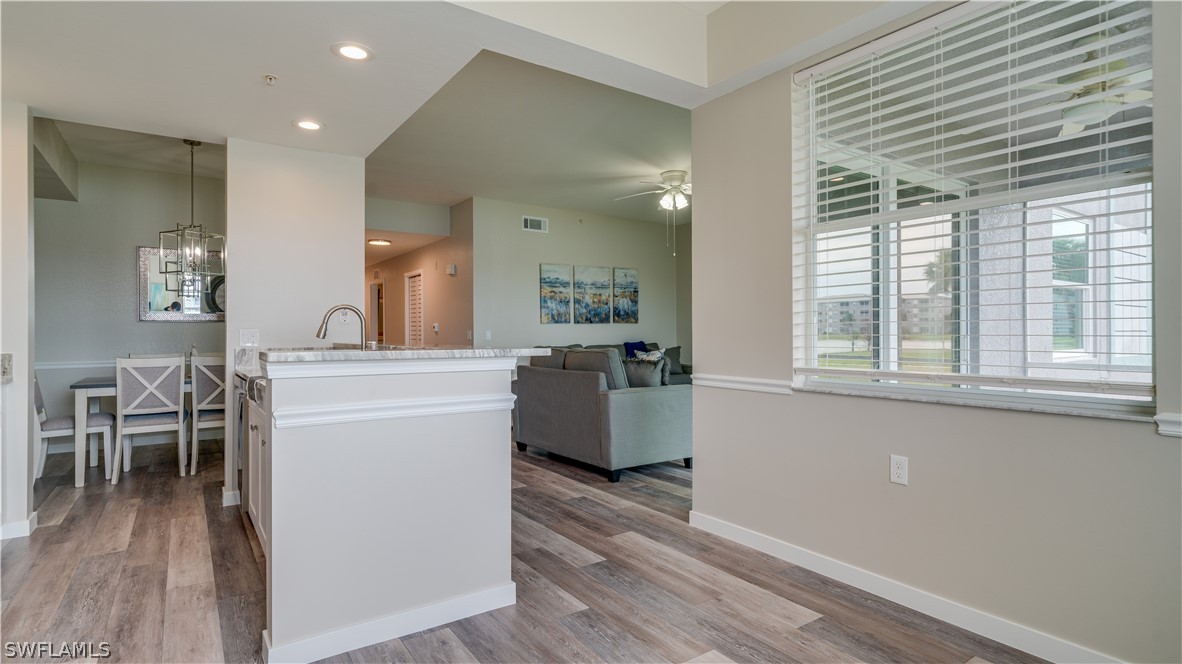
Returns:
(535, 224)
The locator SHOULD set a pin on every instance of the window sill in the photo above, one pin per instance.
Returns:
(1049, 406)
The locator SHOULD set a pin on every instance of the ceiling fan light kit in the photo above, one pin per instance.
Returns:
(675, 193)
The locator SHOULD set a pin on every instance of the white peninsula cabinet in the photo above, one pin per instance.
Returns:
(381, 493)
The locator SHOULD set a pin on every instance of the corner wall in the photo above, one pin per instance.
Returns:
(16, 319)
(505, 288)
(295, 242)
(1067, 529)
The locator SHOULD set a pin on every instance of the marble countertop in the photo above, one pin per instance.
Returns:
(343, 352)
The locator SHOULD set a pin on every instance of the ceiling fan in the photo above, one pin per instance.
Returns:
(674, 190)
(1097, 102)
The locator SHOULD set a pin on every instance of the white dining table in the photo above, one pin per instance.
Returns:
(86, 400)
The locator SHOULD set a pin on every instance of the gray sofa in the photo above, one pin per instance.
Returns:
(577, 403)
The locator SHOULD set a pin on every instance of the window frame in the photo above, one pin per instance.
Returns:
(885, 332)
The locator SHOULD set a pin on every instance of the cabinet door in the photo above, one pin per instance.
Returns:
(265, 490)
(253, 465)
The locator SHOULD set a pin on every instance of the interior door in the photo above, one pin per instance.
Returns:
(414, 309)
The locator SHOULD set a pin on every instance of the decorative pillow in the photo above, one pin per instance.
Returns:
(673, 359)
(642, 373)
(656, 357)
(633, 347)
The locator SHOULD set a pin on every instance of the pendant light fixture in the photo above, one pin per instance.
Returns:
(191, 256)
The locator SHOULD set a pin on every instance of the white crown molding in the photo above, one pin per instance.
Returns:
(309, 416)
(999, 629)
(329, 369)
(765, 385)
(389, 627)
(1169, 424)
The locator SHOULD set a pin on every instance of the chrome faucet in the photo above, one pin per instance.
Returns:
(322, 333)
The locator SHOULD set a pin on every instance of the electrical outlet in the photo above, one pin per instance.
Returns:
(469, 335)
(435, 327)
(899, 469)
(344, 315)
(248, 337)
(488, 335)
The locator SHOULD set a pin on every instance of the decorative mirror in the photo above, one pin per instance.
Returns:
(162, 299)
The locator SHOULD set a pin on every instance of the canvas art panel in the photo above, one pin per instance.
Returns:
(593, 294)
(554, 293)
(625, 295)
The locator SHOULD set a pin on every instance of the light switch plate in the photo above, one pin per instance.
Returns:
(248, 337)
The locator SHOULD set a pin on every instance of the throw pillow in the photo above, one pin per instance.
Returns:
(642, 373)
(673, 358)
(656, 357)
(633, 347)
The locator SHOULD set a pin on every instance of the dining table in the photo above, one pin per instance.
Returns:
(87, 392)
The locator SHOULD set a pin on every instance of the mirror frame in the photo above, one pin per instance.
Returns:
(148, 264)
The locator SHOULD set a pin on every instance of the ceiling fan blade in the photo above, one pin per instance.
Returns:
(1134, 96)
(687, 189)
(1070, 128)
(643, 193)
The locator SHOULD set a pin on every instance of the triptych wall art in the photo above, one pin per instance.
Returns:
(593, 295)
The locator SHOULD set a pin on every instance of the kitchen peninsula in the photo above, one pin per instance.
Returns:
(386, 482)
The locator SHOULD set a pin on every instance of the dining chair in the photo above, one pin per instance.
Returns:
(45, 427)
(208, 383)
(149, 397)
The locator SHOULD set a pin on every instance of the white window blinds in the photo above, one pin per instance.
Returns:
(973, 207)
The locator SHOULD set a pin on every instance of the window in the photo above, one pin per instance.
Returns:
(973, 211)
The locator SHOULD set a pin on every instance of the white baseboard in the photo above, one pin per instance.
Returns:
(231, 498)
(390, 627)
(19, 528)
(999, 629)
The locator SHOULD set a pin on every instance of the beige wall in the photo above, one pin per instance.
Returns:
(447, 300)
(297, 220)
(86, 272)
(388, 215)
(507, 259)
(1065, 525)
(16, 316)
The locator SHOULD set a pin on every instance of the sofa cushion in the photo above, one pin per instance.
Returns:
(681, 379)
(642, 373)
(673, 358)
(632, 347)
(604, 360)
(657, 357)
(555, 360)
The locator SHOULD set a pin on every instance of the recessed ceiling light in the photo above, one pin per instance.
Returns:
(310, 125)
(353, 51)
(837, 179)
(379, 242)
(925, 202)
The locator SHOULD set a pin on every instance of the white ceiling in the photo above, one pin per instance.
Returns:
(147, 152)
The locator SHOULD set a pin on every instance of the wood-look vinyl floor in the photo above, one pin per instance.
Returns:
(605, 573)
